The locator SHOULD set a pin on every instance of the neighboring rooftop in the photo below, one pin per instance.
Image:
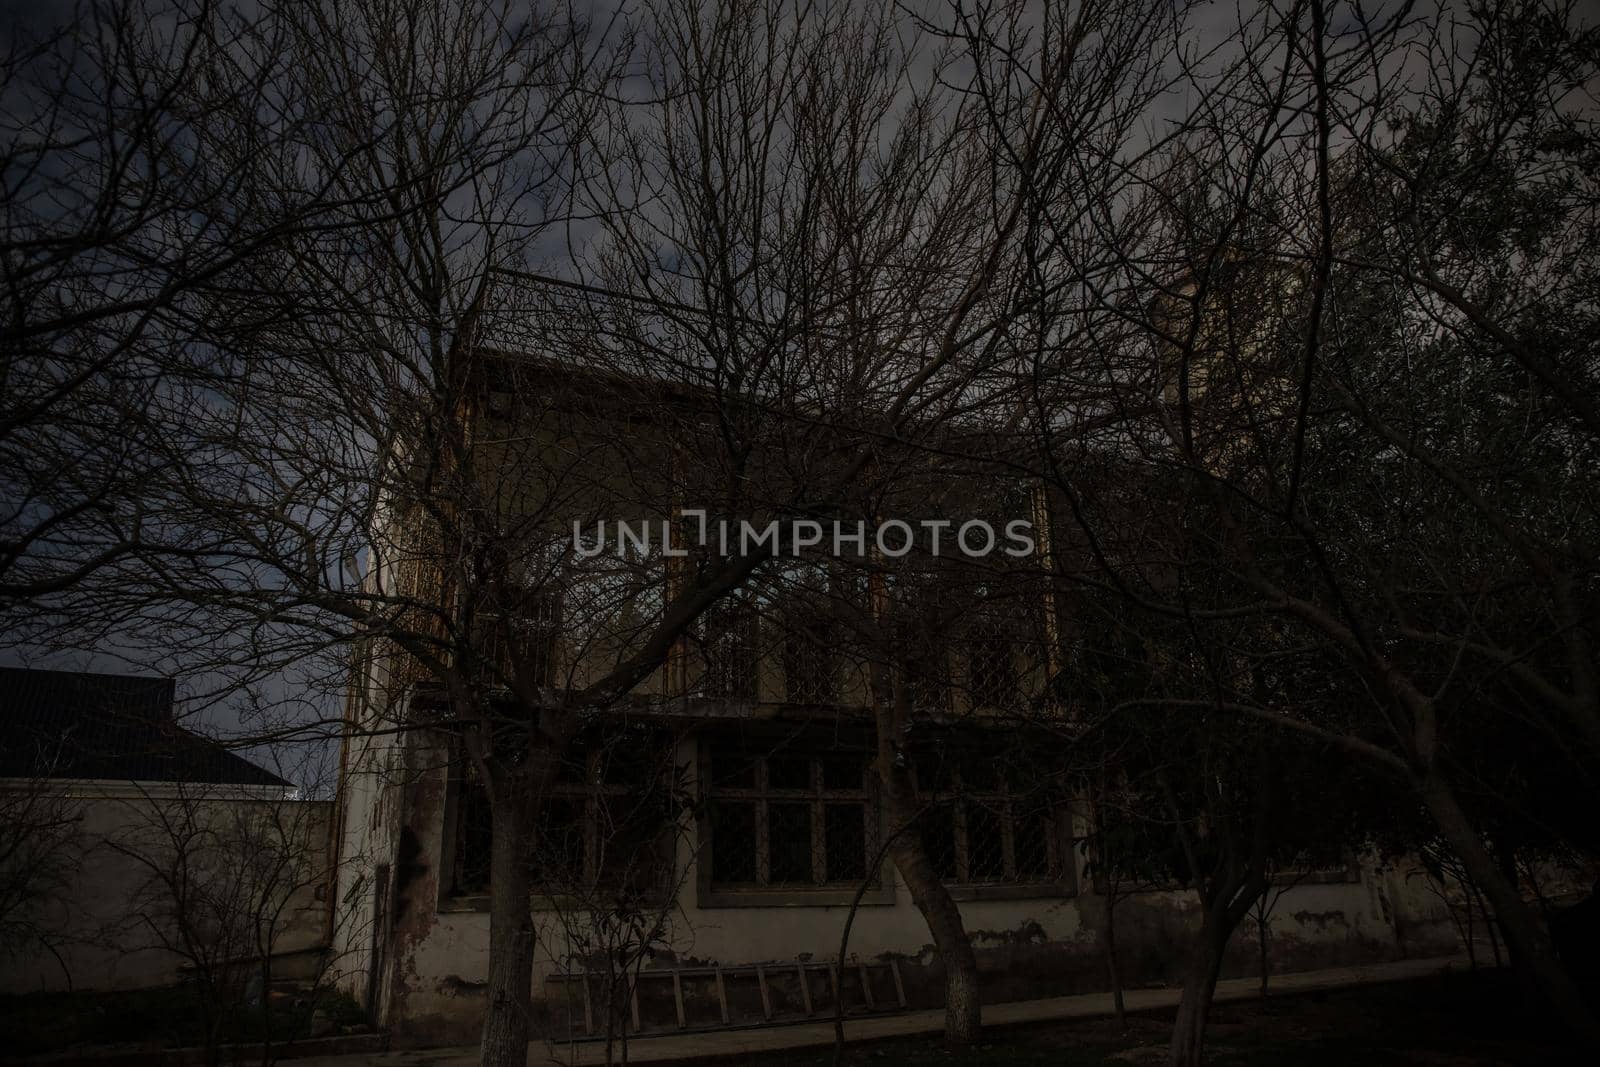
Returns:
(112, 727)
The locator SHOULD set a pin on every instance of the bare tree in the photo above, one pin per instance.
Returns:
(390, 424)
(1335, 407)
(40, 849)
(222, 871)
(114, 216)
(370, 389)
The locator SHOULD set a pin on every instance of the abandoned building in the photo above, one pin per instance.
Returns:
(726, 815)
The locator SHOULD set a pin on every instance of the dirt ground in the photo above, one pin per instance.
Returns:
(41, 1023)
(1450, 1021)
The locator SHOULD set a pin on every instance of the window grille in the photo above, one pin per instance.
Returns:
(606, 823)
(523, 643)
(980, 829)
(810, 667)
(991, 665)
(790, 820)
(927, 676)
(729, 653)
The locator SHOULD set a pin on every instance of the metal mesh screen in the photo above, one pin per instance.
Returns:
(810, 670)
(790, 819)
(523, 642)
(928, 677)
(991, 665)
(728, 651)
(978, 828)
(607, 823)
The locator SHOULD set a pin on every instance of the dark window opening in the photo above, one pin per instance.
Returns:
(607, 821)
(729, 655)
(810, 670)
(980, 828)
(789, 820)
(991, 666)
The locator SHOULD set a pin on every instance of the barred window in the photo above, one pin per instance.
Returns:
(606, 823)
(727, 642)
(810, 668)
(991, 664)
(917, 593)
(981, 829)
(522, 642)
(789, 819)
(927, 674)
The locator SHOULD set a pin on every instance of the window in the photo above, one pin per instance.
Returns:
(810, 671)
(991, 665)
(606, 823)
(727, 646)
(982, 830)
(522, 642)
(927, 674)
(918, 605)
(803, 599)
(798, 820)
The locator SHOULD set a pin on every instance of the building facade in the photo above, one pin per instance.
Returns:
(134, 851)
(701, 847)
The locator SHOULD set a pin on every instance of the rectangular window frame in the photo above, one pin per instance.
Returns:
(730, 652)
(590, 789)
(993, 680)
(1062, 854)
(758, 895)
(527, 639)
(809, 663)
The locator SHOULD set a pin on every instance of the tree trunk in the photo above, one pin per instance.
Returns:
(1200, 985)
(1119, 1006)
(1489, 926)
(962, 1009)
(1263, 931)
(266, 1005)
(511, 939)
(1531, 950)
(963, 1012)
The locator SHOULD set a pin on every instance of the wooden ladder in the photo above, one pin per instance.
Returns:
(765, 975)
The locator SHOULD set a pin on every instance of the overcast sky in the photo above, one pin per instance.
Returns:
(1211, 23)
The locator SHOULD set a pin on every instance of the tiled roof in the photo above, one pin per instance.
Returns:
(63, 724)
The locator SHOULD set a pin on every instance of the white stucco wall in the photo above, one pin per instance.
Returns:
(96, 921)
(368, 816)
(442, 953)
